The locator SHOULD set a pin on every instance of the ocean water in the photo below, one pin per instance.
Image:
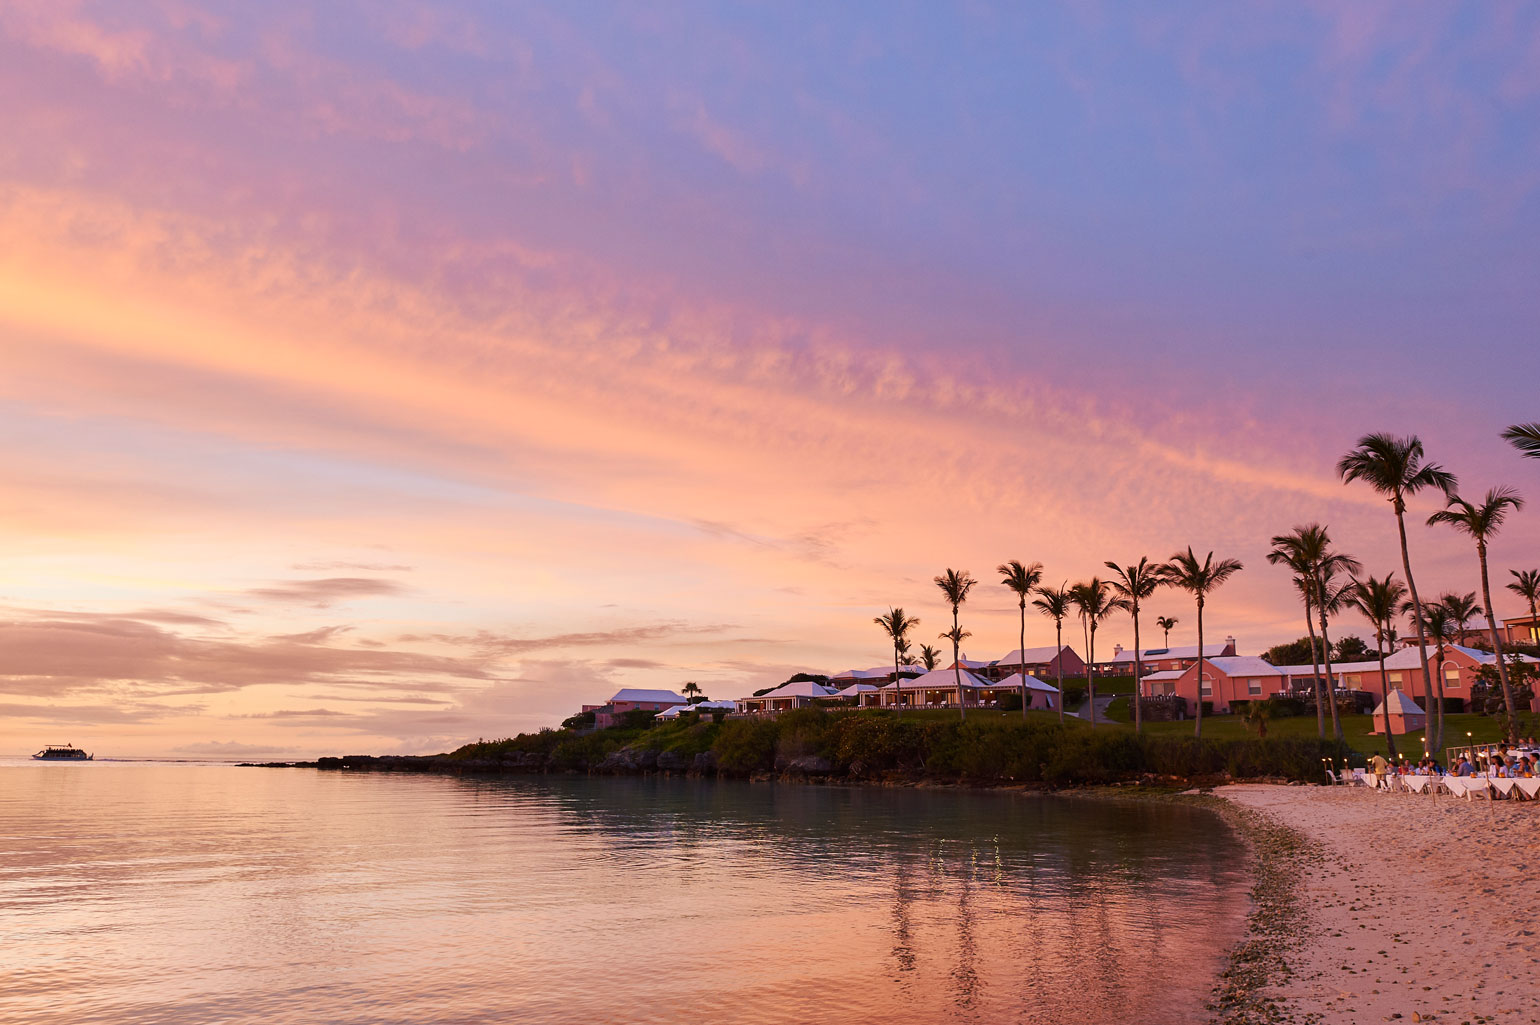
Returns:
(175, 893)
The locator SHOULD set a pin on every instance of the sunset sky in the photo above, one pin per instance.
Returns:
(379, 376)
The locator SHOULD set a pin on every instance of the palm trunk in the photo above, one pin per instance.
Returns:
(1197, 730)
(1497, 645)
(1091, 675)
(962, 702)
(1085, 629)
(1440, 699)
(1379, 649)
(1138, 718)
(898, 683)
(1315, 673)
(1058, 661)
(1331, 684)
(1422, 635)
(1022, 656)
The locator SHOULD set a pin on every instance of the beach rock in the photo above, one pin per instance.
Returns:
(671, 761)
(809, 765)
(705, 763)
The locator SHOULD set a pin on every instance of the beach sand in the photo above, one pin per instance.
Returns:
(1420, 908)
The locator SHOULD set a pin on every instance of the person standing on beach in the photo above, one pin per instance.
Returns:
(1380, 766)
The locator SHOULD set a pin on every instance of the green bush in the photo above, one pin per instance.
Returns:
(745, 746)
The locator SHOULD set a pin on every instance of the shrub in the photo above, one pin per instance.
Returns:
(745, 746)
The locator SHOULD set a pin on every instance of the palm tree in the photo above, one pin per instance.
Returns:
(1308, 550)
(1023, 580)
(1093, 600)
(1526, 585)
(1054, 603)
(1525, 438)
(1304, 583)
(1481, 522)
(1166, 623)
(955, 587)
(897, 626)
(1198, 578)
(1133, 584)
(1380, 601)
(1394, 467)
(691, 688)
(929, 656)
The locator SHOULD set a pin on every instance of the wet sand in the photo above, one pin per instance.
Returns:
(1418, 908)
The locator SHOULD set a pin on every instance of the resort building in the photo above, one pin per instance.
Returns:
(1227, 680)
(1044, 663)
(1162, 660)
(784, 698)
(631, 699)
(864, 695)
(700, 706)
(877, 675)
(1040, 696)
(936, 689)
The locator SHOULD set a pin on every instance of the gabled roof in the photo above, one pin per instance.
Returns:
(1407, 658)
(1243, 665)
(857, 689)
(1031, 656)
(1165, 674)
(1399, 703)
(938, 678)
(678, 710)
(637, 694)
(877, 672)
(800, 689)
(1336, 667)
(1190, 651)
(1013, 682)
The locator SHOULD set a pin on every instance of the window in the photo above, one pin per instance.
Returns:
(1395, 678)
(1452, 673)
(1354, 681)
(1208, 686)
(1253, 686)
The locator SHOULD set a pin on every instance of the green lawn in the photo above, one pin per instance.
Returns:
(1355, 729)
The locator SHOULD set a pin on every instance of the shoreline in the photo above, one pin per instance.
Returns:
(1384, 907)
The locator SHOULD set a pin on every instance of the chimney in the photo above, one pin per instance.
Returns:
(1230, 643)
(1117, 649)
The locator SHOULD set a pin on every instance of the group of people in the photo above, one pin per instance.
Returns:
(1502, 762)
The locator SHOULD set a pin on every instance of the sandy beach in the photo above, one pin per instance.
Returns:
(1418, 909)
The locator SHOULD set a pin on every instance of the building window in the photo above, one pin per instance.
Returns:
(1208, 686)
(1253, 686)
(1395, 678)
(1452, 673)
(1354, 681)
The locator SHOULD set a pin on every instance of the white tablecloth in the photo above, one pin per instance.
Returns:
(1417, 784)
(1468, 786)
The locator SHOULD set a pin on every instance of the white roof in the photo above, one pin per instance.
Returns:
(1030, 656)
(1400, 704)
(1013, 682)
(973, 663)
(637, 694)
(857, 689)
(1407, 658)
(1165, 674)
(864, 674)
(1336, 667)
(1190, 651)
(1244, 665)
(800, 689)
(940, 678)
(677, 710)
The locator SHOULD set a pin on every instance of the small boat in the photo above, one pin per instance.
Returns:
(62, 753)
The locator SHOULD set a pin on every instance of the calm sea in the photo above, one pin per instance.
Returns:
(165, 893)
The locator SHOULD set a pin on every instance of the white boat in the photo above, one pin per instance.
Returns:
(62, 753)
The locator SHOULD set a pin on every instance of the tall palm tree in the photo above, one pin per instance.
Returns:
(1055, 604)
(690, 689)
(1023, 580)
(1305, 584)
(1166, 623)
(1199, 579)
(1308, 549)
(1525, 438)
(1094, 602)
(1526, 584)
(929, 656)
(955, 587)
(897, 626)
(1380, 601)
(1394, 467)
(1131, 585)
(1481, 522)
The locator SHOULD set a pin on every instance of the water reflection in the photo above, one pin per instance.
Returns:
(181, 894)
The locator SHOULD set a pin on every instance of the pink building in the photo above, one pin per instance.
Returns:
(1041, 695)
(631, 699)
(1227, 679)
(1406, 716)
(1044, 663)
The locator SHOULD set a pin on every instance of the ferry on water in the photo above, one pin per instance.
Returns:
(62, 753)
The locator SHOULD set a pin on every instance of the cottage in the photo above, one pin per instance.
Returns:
(936, 689)
(1226, 681)
(1046, 663)
(632, 699)
(1406, 715)
(1162, 660)
(1040, 696)
(787, 696)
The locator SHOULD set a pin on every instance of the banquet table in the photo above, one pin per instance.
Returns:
(1417, 784)
(1468, 786)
